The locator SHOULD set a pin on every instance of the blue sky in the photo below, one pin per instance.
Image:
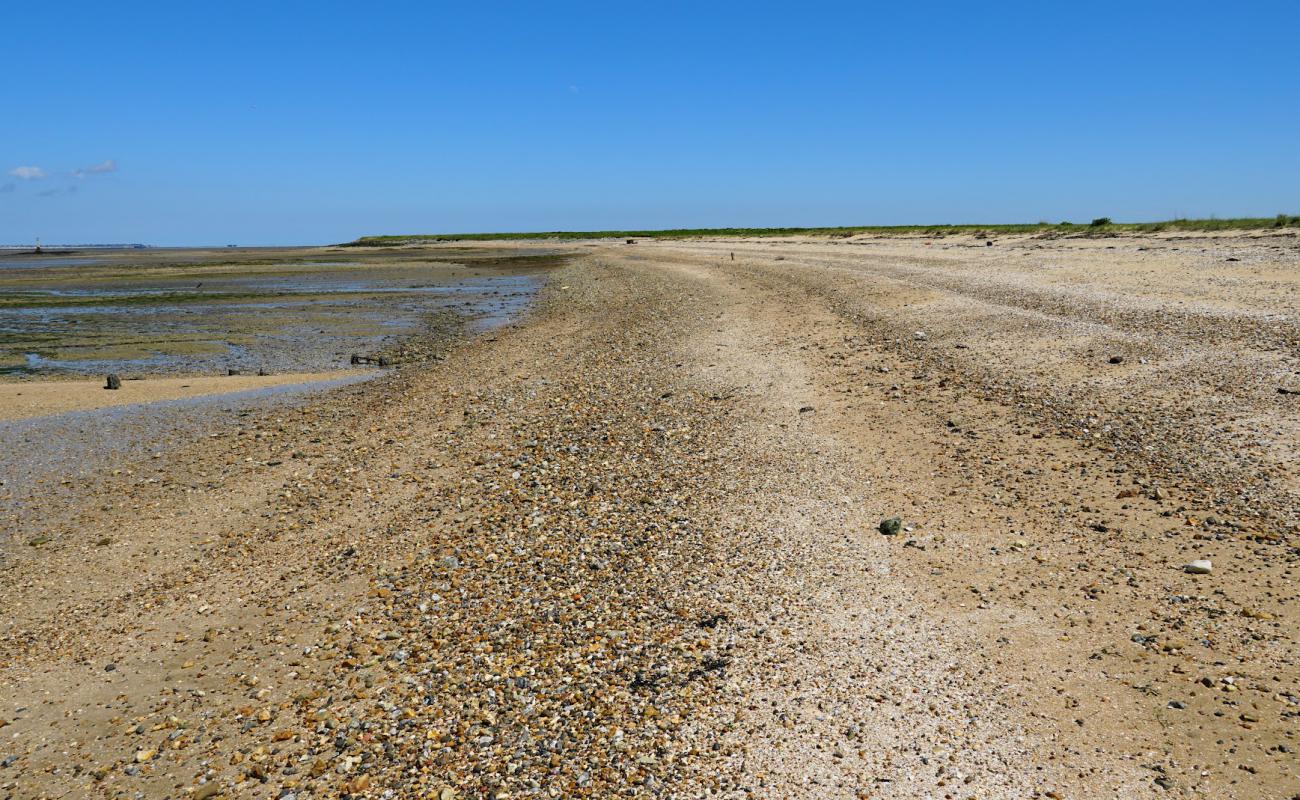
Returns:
(284, 123)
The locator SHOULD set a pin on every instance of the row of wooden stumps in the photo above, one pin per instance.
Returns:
(114, 381)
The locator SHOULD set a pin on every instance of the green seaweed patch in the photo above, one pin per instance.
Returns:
(108, 346)
(28, 300)
(126, 351)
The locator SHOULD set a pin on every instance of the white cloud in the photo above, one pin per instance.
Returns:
(98, 169)
(28, 173)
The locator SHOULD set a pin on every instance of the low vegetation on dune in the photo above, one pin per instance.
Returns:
(1101, 226)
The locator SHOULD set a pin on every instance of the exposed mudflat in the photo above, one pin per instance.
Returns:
(630, 545)
(195, 311)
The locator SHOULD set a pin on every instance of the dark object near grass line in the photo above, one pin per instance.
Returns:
(1099, 222)
(113, 381)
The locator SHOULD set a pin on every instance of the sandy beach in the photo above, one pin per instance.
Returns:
(861, 517)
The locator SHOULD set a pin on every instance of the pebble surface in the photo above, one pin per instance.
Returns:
(605, 551)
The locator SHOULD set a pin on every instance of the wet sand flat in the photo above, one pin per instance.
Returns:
(43, 398)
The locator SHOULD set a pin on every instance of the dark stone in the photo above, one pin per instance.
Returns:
(113, 382)
(891, 526)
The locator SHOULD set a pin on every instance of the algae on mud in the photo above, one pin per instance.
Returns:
(284, 309)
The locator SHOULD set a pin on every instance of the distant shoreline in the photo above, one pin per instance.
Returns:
(1098, 227)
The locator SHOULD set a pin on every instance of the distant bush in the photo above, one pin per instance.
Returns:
(1100, 221)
